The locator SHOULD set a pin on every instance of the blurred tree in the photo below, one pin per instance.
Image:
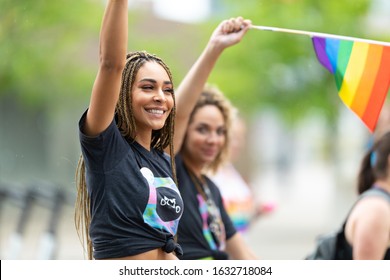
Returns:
(279, 69)
(40, 41)
(50, 50)
(49, 58)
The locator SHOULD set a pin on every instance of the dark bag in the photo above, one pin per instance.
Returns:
(326, 246)
(330, 246)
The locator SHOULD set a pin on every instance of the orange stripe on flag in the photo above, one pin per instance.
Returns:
(379, 91)
(366, 83)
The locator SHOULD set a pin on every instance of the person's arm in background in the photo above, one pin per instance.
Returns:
(228, 33)
(238, 249)
(370, 229)
(112, 52)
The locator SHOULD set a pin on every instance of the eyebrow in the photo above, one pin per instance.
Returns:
(154, 81)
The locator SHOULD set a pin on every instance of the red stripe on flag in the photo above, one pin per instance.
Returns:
(379, 92)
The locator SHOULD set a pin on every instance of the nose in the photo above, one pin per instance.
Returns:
(159, 96)
(214, 137)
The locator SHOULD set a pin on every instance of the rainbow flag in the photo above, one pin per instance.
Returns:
(362, 74)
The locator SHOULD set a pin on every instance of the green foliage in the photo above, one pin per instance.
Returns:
(41, 42)
(280, 69)
(50, 50)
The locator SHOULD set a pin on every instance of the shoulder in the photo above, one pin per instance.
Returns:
(375, 200)
(372, 201)
(111, 129)
(369, 215)
(371, 211)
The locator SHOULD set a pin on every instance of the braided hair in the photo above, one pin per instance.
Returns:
(161, 138)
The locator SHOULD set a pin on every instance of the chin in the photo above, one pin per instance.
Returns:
(157, 126)
(208, 160)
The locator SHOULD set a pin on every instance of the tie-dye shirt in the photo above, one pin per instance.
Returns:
(194, 234)
(135, 204)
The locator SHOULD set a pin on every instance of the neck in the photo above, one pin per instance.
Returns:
(144, 140)
(196, 169)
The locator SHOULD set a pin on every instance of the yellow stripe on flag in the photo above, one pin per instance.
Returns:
(353, 72)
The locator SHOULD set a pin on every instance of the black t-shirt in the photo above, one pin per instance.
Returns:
(194, 234)
(135, 204)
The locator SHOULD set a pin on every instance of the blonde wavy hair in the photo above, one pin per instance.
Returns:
(212, 95)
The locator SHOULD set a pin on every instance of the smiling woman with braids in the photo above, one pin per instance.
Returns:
(128, 204)
(124, 172)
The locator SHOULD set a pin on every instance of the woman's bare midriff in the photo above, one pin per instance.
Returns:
(156, 254)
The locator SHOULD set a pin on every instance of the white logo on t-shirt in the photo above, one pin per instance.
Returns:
(170, 202)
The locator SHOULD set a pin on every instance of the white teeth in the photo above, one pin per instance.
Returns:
(154, 111)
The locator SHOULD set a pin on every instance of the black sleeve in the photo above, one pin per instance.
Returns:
(104, 151)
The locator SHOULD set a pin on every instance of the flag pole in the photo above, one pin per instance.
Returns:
(317, 34)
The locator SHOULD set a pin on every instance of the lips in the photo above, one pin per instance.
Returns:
(210, 152)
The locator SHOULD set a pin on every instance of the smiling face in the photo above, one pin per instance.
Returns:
(152, 99)
(205, 137)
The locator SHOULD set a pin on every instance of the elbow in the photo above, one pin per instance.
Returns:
(111, 64)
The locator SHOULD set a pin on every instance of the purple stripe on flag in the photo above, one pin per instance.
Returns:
(320, 49)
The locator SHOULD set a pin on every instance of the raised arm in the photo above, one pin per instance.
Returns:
(228, 33)
(112, 52)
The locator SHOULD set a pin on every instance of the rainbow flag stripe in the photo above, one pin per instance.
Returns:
(362, 74)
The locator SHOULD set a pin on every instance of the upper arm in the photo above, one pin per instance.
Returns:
(370, 231)
(112, 52)
(104, 97)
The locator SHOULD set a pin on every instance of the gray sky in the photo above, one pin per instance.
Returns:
(190, 11)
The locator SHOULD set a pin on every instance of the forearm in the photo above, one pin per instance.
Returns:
(238, 249)
(113, 48)
(228, 33)
(192, 85)
(114, 34)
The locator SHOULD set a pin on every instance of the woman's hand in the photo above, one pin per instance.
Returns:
(230, 32)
